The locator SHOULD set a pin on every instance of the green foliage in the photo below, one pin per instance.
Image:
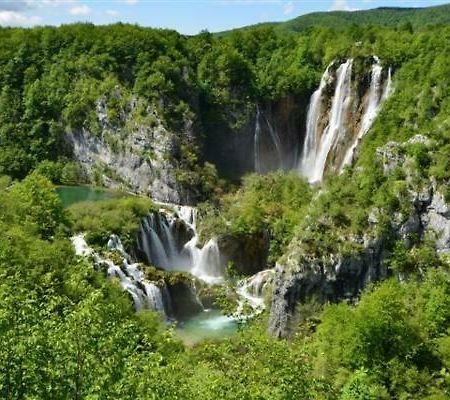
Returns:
(37, 203)
(102, 218)
(273, 203)
(386, 345)
(400, 18)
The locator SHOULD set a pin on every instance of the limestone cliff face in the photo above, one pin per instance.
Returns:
(138, 154)
(300, 276)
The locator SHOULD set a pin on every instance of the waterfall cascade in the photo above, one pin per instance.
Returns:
(163, 245)
(251, 292)
(333, 133)
(372, 107)
(145, 295)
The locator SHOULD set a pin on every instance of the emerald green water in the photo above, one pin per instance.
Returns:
(210, 324)
(74, 194)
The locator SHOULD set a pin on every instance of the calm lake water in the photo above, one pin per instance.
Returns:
(210, 324)
(74, 194)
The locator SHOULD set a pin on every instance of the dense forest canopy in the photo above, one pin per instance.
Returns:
(67, 332)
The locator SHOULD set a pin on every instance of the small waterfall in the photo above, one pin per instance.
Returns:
(145, 295)
(251, 292)
(207, 264)
(151, 243)
(158, 251)
(188, 215)
(167, 252)
(274, 138)
(154, 297)
(374, 101)
(257, 142)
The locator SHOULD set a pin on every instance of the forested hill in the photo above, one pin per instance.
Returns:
(383, 16)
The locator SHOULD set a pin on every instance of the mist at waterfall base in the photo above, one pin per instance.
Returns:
(334, 125)
(210, 324)
(170, 241)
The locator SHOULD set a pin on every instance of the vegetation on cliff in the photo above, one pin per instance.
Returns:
(67, 332)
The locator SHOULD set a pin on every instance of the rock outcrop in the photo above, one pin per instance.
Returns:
(247, 254)
(138, 154)
(300, 277)
(331, 278)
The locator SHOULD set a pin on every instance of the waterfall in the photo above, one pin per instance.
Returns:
(188, 215)
(312, 121)
(374, 101)
(274, 138)
(159, 242)
(154, 297)
(336, 126)
(326, 147)
(388, 88)
(257, 142)
(145, 295)
(207, 264)
(251, 292)
(151, 243)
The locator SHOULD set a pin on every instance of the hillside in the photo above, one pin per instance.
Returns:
(383, 16)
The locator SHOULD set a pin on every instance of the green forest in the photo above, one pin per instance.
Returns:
(67, 332)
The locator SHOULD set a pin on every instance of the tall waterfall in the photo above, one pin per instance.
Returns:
(333, 133)
(373, 106)
(257, 142)
(309, 152)
(336, 127)
(165, 248)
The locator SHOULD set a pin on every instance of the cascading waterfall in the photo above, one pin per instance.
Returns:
(374, 101)
(312, 121)
(388, 89)
(145, 295)
(206, 262)
(158, 241)
(336, 126)
(154, 297)
(334, 145)
(251, 292)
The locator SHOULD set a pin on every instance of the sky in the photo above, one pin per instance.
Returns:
(185, 16)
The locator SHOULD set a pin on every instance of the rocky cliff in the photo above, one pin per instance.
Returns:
(301, 276)
(137, 152)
